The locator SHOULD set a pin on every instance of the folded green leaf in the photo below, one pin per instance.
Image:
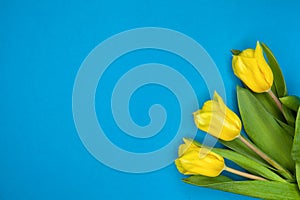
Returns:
(296, 144)
(288, 129)
(292, 102)
(263, 129)
(279, 83)
(288, 115)
(248, 164)
(259, 189)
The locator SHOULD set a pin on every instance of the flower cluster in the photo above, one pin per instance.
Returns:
(270, 151)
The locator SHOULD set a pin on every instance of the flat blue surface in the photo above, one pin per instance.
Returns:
(43, 44)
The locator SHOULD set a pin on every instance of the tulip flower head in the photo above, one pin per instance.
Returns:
(218, 120)
(191, 163)
(251, 67)
(199, 160)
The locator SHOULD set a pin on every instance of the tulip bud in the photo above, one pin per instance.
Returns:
(216, 119)
(191, 162)
(251, 67)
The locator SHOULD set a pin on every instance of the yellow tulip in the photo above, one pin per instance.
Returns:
(251, 67)
(216, 119)
(191, 162)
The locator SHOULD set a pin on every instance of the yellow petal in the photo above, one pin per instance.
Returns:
(219, 100)
(263, 65)
(251, 67)
(188, 145)
(248, 71)
(218, 120)
(191, 163)
(247, 53)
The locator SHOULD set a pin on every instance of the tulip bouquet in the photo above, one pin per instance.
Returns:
(269, 151)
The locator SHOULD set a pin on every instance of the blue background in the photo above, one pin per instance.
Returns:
(43, 44)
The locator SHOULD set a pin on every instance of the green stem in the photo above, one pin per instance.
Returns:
(244, 174)
(264, 156)
(276, 100)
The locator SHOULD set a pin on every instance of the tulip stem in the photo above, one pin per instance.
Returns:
(264, 156)
(276, 100)
(258, 151)
(244, 174)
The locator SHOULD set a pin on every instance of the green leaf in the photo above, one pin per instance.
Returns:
(279, 83)
(251, 163)
(296, 144)
(204, 180)
(288, 129)
(298, 173)
(269, 104)
(235, 52)
(248, 164)
(263, 129)
(292, 102)
(296, 148)
(238, 146)
(259, 189)
(288, 115)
